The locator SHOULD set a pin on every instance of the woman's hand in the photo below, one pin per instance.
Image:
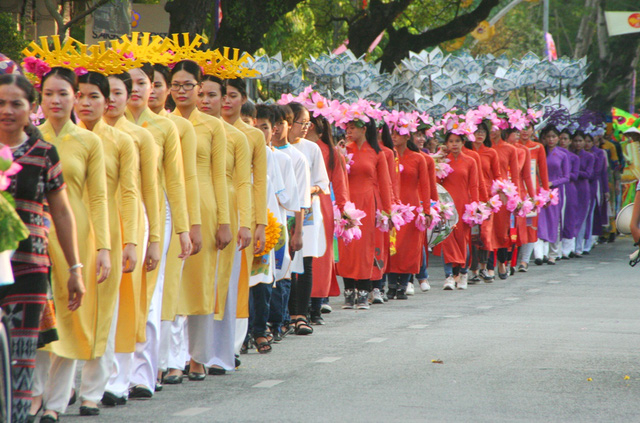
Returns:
(295, 244)
(129, 258)
(196, 239)
(223, 236)
(103, 265)
(185, 245)
(244, 238)
(152, 258)
(259, 239)
(75, 286)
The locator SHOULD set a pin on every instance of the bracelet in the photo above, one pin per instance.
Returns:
(76, 266)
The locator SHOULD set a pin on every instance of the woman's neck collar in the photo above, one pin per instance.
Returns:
(58, 124)
(13, 139)
(186, 111)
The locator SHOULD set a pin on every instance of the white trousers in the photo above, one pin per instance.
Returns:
(96, 372)
(144, 369)
(53, 379)
(540, 249)
(568, 246)
(120, 378)
(173, 345)
(212, 342)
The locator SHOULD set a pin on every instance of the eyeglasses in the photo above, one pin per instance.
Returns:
(187, 87)
(304, 125)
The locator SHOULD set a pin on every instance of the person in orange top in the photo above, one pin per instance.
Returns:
(539, 178)
(525, 189)
(415, 191)
(325, 283)
(508, 158)
(370, 190)
(489, 170)
(420, 140)
(378, 295)
(462, 185)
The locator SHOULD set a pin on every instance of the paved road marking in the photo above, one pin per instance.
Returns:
(268, 383)
(417, 326)
(192, 411)
(604, 262)
(376, 340)
(553, 282)
(328, 360)
(512, 299)
(453, 316)
(573, 274)
(484, 307)
(589, 268)
(533, 290)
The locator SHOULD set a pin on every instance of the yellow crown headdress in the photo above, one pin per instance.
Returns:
(79, 57)
(146, 48)
(212, 62)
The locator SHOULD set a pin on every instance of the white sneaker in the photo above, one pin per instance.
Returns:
(424, 285)
(410, 289)
(462, 284)
(376, 296)
(449, 284)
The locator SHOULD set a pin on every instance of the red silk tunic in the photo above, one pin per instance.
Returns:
(325, 283)
(525, 188)
(415, 185)
(369, 190)
(490, 172)
(508, 158)
(462, 185)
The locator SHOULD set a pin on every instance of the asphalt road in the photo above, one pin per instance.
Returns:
(557, 344)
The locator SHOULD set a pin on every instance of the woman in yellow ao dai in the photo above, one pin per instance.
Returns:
(238, 185)
(83, 168)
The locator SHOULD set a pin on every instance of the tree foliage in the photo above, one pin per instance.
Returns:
(11, 41)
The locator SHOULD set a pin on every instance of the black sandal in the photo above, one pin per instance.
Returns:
(302, 327)
(246, 345)
(263, 347)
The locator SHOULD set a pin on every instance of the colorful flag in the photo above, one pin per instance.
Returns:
(622, 22)
(552, 53)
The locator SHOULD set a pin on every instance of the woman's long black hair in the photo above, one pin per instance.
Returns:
(323, 130)
(371, 134)
(545, 131)
(66, 75)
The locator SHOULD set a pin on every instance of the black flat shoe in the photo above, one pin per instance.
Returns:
(111, 399)
(585, 253)
(217, 371)
(196, 377)
(89, 411)
(158, 387)
(172, 380)
(551, 262)
(237, 360)
(503, 276)
(49, 419)
(538, 262)
(140, 392)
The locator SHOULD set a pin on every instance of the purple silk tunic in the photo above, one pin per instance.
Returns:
(570, 227)
(583, 186)
(600, 216)
(559, 170)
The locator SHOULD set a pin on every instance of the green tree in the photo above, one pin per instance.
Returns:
(11, 41)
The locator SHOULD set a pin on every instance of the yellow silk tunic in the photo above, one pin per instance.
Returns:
(83, 168)
(239, 188)
(133, 299)
(170, 182)
(122, 201)
(259, 202)
(198, 277)
(173, 269)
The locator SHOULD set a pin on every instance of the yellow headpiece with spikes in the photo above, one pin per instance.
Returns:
(77, 56)
(145, 48)
(212, 62)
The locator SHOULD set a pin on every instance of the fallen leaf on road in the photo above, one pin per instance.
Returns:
(437, 361)
(589, 379)
(627, 377)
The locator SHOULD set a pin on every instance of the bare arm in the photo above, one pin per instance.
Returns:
(65, 222)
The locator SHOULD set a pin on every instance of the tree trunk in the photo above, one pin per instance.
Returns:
(187, 16)
(585, 31)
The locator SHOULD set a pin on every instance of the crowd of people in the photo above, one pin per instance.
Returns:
(174, 225)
